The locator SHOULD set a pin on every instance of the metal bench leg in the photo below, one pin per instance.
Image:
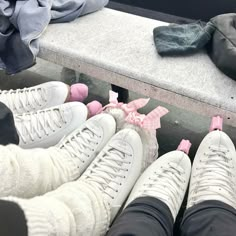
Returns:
(123, 93)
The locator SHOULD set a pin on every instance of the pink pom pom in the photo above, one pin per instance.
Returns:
(94, 107)
(78, 92)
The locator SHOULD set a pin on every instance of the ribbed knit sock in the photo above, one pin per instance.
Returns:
(75, 208)
(31, 172)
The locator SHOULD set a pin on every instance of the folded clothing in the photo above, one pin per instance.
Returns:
(23, 22)
(218, 36)
(184, 39)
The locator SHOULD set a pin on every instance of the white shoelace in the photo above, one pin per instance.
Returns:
(216, 173)
(78, 144)
(41, 123)
(166, 184)
(26, 99)
(107, 168)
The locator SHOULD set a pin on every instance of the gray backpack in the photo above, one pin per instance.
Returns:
(222, 47)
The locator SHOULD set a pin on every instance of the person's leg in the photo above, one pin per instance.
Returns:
(209, 218)
(212, 194)
(156, 198)
(31, 172)
(12, 219)
(73, 209)
(87, 206)
(8, 132)
(144, 216)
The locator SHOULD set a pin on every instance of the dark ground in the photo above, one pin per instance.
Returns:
(193, 9)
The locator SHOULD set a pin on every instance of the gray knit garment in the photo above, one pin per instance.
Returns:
(184, 39)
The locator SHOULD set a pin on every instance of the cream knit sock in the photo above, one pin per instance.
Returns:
(31, 172)
(74, 209)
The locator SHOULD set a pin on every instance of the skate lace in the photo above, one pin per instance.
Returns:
(166, 184)
(78, 144)
(39, 123)
(24, 99)
(215, 174)
(107, 168)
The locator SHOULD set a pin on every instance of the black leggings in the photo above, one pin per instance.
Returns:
(8, 133)
(150, 217)
(12, 220)
(143, 217)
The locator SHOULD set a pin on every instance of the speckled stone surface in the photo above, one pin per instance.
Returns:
(123, 44)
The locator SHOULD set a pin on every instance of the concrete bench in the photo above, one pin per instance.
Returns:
(118, 47)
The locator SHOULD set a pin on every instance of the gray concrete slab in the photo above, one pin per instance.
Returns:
(118, 48)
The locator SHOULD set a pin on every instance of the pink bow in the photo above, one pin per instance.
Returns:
(150, 121)
(127, 108)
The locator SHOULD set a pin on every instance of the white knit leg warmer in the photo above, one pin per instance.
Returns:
(31, 172)
(74, 209)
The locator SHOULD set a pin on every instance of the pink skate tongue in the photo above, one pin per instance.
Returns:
(184, 146)
(94, 108)
(216, 123)
(78, 92)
